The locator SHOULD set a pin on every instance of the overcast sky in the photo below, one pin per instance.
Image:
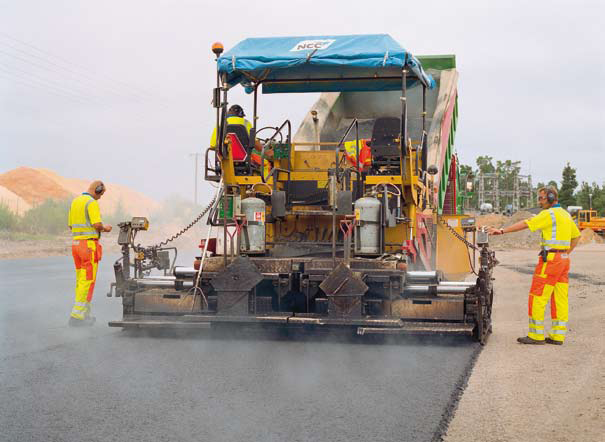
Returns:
(120, 90)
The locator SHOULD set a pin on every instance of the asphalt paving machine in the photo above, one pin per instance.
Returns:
(322, 239)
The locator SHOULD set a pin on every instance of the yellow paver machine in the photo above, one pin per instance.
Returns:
(354, 222)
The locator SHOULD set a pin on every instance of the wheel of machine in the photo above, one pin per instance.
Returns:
(484, 317)
(480, 327)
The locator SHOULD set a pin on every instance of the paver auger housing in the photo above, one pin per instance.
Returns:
(324, 239)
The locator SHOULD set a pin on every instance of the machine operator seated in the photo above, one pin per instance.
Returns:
(239, 127)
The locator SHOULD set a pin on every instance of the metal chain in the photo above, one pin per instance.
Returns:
(189, 226)
(457, 235)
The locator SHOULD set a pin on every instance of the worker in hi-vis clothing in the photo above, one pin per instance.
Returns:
(550, 282)
(235, 116)
(365, 154)
(86, 227)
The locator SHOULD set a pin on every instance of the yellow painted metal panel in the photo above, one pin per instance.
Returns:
(452, 254)
(377, 179)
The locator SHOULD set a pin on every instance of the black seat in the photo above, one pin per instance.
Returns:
(385, 144)
(240, 131)
(241, 153)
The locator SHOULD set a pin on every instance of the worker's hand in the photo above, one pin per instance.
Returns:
(107, 228)
(494, 231)
(269, 154)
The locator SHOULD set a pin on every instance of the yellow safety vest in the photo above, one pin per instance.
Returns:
(83, 213)
(557, 226)
(365, 156)
(231, 120)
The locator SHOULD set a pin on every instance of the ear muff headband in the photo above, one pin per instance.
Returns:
(237, 110)
(100, 189)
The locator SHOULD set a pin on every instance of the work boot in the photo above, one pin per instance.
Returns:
(553, 342)
(530, 341)
(74, 322)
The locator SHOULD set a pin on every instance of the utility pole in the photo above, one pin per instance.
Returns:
(196, 155)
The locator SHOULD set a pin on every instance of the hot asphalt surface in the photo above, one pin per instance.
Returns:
(102, 384)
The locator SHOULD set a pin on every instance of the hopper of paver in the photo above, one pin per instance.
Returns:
(354, 222)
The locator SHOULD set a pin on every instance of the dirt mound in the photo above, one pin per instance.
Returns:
(518, 216)
(32, 186)
(516, 240)
(588, 236)
(35, 186)
(14, 202)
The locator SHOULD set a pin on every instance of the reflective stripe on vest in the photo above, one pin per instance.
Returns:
(85, 229)
(553, 241)
(85, 232)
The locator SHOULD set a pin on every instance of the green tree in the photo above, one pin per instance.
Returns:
(485, 164)
(598, 197)
(508, 171)
(554, 184)
(568, 186)
(8, 220)
(50, 217)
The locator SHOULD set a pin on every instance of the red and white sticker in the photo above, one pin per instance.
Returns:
(259, 217)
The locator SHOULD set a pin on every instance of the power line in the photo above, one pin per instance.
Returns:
(46, 68)
(39, 85)
(63, 93)
(53, 68)
(94, 75)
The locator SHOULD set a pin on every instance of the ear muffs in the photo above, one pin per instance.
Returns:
(550, 196)
(100, 189)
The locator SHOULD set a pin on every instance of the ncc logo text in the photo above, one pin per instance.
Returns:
(307, 45)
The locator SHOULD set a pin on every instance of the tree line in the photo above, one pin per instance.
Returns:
(571, 193)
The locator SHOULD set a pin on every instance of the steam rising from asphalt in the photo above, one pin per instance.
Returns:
(100, 383)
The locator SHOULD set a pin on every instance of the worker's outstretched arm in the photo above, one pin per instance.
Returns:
(100, 227)
(521, 225)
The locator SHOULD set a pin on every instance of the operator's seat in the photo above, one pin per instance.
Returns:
(385, 144)
(240, 140)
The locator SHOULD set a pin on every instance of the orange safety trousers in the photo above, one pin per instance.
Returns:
(550, 282)
(87, 254)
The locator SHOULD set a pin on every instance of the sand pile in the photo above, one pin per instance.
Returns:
(35, 186)
(516, 240)
(14, 202)
(32, 186)
(588, 236)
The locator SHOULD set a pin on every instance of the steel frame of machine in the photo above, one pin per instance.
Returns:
(386, 286)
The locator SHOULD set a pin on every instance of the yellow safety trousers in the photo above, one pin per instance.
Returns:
(550, 283)
(86, 254)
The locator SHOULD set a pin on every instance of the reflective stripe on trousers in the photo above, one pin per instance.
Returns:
(86, 255)
(549, 283)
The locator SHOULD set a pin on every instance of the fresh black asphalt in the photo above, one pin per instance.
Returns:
(102, 384)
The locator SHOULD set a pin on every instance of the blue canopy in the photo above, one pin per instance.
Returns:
(321, 64)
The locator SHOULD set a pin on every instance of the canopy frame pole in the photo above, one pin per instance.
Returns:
(404, 118)
(225, 155)
(219, 147)
(424, 135)
(253, 133)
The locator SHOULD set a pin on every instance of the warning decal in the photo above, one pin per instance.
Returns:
(259, 217)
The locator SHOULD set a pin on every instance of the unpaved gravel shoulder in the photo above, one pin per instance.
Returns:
(539, 393)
